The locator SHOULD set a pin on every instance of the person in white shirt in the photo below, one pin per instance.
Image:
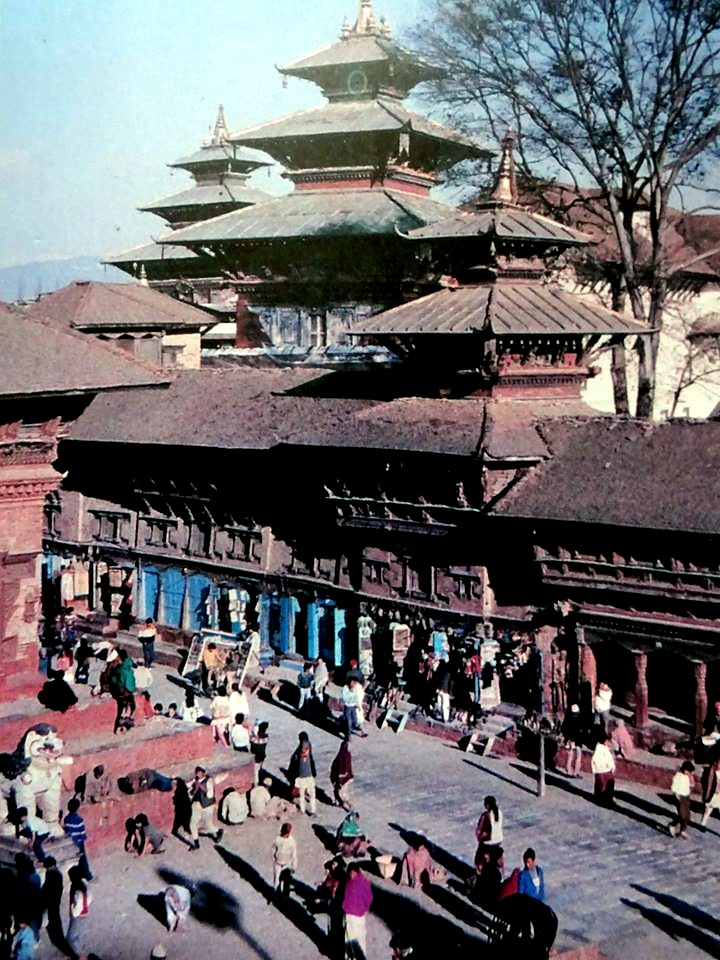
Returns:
(284, 854)
(238, 701)
(352, 698)
(233, 807)
(239, 734)
(320, 679)
(603, 702)
(682, 784)
(603, 767)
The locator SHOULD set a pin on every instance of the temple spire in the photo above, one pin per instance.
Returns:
(366, 18)
(220, 133)
(505, 187)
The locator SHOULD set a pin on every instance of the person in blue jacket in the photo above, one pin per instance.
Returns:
(531, 880)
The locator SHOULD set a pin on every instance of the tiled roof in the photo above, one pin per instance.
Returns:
(626, 473)
(117, 306)
(231, 193)
(310, 213)
(151, 251)
(504, 221)
(356, 116)
(39, 358)
(357, 50)
(501, 308)
(256, 409)
(249, 159)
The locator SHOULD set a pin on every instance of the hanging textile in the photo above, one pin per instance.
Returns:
(289, 608)
(82, 579)
(115, 577)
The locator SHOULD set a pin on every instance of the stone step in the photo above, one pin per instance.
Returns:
(62, 848)
(89, 714)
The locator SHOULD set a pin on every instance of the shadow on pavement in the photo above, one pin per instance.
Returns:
(553, 780)
(458, 906)
(211, 904)
(295, 912)
(154, 903)
(683, 909)
(439, 854)
(399, 912)
(500, 776)
(676, 928)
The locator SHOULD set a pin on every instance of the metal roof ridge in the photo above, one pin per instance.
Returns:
(234, 137)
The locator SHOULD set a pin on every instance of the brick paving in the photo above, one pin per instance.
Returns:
(614, 878)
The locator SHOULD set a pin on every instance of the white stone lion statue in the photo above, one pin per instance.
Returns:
(32, 775)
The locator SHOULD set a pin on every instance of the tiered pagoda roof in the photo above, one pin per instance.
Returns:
(378, 159)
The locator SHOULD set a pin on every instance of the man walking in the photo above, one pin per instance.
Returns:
(147, 635)
(52, 891)
(681, 788)
(202, 816)
(74, 827)
(302, 773)
(356, 906)
(710, 783)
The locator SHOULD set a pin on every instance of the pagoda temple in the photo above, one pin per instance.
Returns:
(499, 327)
(362, 165)
(220, 171)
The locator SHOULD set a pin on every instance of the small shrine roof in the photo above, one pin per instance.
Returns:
(39, 358)
(355, 116)
(151, 251)
(627, 473)
(231, 192)
(254, 408)
(507, 307)
(211, 154)
(307, 213)
(89, 305)
(360, 49)
(507, 222)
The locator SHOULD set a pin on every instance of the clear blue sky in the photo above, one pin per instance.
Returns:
(98, 95)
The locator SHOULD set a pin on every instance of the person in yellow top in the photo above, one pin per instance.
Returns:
(212, 665)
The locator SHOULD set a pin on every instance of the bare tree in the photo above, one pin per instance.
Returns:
(620, 95)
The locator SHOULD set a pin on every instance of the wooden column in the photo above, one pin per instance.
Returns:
(701, 700)
(543, 643)
(588, 675)
(641, 690)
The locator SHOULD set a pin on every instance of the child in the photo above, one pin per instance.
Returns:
(682, 784)
(284, 852)
(147, 711)
(239, 734)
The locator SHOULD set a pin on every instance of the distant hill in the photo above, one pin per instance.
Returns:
(26, 281)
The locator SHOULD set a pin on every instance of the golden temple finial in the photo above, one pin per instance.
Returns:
(142, 279)
(505, 187)
(385, 30)
(220, 133)
(345, 32)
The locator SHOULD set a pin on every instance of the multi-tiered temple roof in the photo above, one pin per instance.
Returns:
(362, 163)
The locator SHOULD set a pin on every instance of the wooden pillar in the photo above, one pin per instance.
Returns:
(701, 700)
(588, 675)
(543, 642)
(641, 690)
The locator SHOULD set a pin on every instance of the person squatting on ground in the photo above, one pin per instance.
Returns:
(285, 859)
(341, 776)
(233, 807)
(202, 816)
(682, 784)
(177, 906)
(302, 773)
(264, 806)
(349, 838)
(417, 863)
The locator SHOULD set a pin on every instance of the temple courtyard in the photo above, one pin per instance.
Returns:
(615, 878)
